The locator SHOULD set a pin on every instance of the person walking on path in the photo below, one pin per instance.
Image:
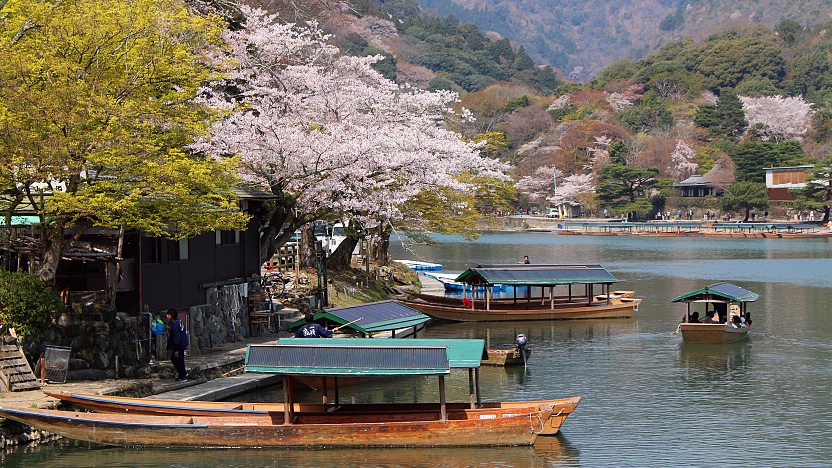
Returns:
(177, 344)
(312, 329)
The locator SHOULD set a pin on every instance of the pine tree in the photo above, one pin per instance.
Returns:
(725, 119)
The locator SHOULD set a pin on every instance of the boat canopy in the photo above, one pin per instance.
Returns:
(462, 353)
(727, 291)
(370, 318)
(345, 360)
(536, 275)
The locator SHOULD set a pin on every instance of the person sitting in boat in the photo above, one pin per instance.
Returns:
(735, 322)
(312, 329)
(694, 318)
(733, 311)
(714, 318)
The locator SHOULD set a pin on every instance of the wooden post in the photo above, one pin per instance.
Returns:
(287, 400)
(471, 397)
(325, 397)
(487, 298)
(42, 372)
(337, 398)
(609, 299)
(477, 385)
(443, 409)
(552, 297)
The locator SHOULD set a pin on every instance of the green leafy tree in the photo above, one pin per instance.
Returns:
(745, 196)
(725, 118)
(756, 87)
(817, 194)
(626, 189)
(97, 102)
(790, 31)
(618, 152)
(27, 303)
(751, 157)
(651, 113)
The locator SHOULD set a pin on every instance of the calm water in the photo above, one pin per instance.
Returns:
(648, 400)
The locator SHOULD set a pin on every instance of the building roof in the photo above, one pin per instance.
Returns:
(801, 168)
(343, 360)
(248, 192)
(537, 275)
(370, 318)
(727, 291)
(718, 175)
(462, 353)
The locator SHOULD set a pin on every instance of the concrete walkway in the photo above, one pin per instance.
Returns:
(222, 388)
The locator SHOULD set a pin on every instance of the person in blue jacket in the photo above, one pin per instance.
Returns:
(311, 329)
(177, 343)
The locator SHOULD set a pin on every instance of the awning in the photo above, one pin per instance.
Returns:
(338, 360)
(370, 318)
(21, 220)
(536, 275)
(462, 353)
(728, 291)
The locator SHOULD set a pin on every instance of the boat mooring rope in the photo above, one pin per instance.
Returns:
(531, 422)
(678, 327)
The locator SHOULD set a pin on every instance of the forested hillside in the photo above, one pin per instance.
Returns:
(582, 37)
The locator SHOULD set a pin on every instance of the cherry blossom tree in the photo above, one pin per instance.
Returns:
(327, 134)
(538, 186)
(777, 118)
(573, 187)
(540, 190)
(681, 159)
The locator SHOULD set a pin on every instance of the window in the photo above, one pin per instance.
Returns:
(178, 251)
(152, 250)
(789, 177)
(228, 237)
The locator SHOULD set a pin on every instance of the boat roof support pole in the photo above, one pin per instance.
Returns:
(325, 392)
(609, 300)
(443, 407)
(570, 292)
(287, 400)
(337, 399)
(688, 311)
(477, 386)
(551, 297)
(488, 298)
(528, 296)
(471, 396)
(515, 294)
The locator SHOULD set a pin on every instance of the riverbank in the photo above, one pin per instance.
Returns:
(775, 229)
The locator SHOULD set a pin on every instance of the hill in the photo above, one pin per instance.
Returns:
(583, 37)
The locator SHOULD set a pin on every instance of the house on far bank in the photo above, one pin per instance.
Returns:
(711, 184)
(779, 180)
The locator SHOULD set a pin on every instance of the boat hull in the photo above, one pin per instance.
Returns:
(506, 357)
(712, 333)
(499, 427)
(561, 408)
(624, 308)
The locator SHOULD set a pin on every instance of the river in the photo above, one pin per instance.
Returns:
(648, 399)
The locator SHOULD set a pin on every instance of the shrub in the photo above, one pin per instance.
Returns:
(27, 303)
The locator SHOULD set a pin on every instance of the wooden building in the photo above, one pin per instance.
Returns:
(780, 180)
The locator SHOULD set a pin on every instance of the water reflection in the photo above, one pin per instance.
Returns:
(709, 362)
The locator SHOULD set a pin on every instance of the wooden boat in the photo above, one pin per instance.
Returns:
(561, 408)
(506, 357)
(726, 301)
(495, 427)
(544, 278)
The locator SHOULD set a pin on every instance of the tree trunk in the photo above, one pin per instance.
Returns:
(117, 275)
(747, 214)
(308, 246)
(825, 214)
(52, 250)
(381, 244)
(341, 259)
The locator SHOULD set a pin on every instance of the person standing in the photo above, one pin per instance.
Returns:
(311, 329)
(177, 344)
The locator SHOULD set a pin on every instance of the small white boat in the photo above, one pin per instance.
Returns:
(420, 266)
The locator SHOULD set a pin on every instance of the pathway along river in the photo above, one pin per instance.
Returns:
(649, 400)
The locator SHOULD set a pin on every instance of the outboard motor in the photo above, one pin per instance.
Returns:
(521, 341)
